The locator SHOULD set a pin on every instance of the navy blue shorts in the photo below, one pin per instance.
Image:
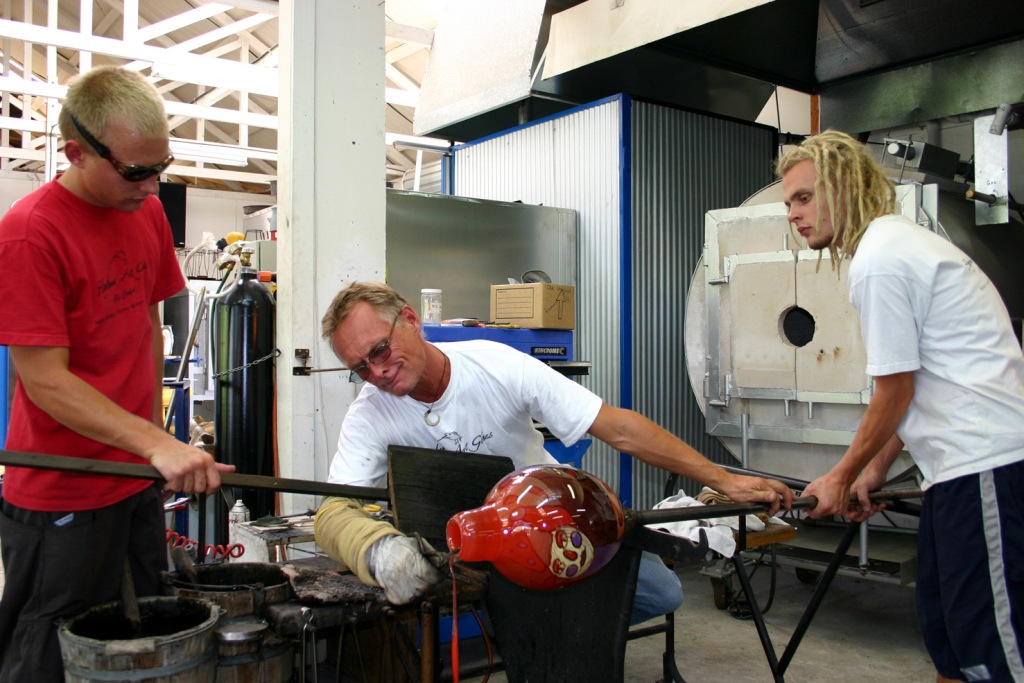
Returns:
(970, 579)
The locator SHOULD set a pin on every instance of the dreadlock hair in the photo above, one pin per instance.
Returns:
(850, 182)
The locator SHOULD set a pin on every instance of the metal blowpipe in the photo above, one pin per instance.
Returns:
(253, 481)
(662, 516)
(63, 463)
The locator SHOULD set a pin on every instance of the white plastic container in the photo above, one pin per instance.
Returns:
(430, 306)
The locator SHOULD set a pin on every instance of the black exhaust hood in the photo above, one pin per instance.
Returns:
(848, 51)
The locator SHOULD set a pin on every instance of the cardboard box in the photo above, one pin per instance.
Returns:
(534, 306)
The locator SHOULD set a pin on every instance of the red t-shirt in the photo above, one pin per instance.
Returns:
(79, 276)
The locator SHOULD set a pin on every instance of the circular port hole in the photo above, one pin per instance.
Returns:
(798, 326)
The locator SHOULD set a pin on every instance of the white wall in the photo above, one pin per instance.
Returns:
(14, 186)
(217, 212)
(205, 210)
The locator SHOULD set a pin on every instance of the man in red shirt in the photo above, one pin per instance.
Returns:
(80, 313)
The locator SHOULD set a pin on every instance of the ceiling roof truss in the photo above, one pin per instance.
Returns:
(217, 63)
(214, 62)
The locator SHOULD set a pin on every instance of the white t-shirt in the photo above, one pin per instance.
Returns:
(494, 394)
(926, 307)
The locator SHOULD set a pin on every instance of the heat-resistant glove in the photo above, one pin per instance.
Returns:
(399, 566)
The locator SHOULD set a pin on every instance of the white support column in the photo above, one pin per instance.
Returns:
(130, 30)
(51, 105)
(85, 28)
(330, 210)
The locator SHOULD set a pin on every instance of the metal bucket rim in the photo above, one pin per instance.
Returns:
(175, 577)
(64, 625)
(220, 588)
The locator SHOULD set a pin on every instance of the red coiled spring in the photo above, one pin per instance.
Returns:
(214, 552)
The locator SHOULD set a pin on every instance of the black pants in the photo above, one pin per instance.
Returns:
(59, 564)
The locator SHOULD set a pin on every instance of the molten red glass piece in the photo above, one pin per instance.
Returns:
(542, 527)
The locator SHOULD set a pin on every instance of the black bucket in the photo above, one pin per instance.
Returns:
(175, 644)
(240, 588)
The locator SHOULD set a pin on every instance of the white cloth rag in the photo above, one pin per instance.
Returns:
(719, 530)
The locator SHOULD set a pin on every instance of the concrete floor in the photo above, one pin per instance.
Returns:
(863, 630)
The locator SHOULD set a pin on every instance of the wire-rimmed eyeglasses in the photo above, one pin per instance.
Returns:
(380, 353)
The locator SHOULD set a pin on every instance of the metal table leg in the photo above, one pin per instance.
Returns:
(779, 666)
(429, 644)
(669, 669)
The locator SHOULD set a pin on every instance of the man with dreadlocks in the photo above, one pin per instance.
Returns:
(949, 386)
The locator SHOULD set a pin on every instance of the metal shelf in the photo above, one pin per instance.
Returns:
(891, 553)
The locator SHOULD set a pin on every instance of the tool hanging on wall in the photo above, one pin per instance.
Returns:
(226, 262)
(186, 353)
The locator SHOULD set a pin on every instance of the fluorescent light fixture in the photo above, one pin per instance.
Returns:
(417, 142)
(208, 152)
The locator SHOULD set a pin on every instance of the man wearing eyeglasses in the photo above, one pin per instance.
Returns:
(477, 396)
(87, 259)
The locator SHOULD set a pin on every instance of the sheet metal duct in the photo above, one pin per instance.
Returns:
(875, 63)
(773, 347)
(484, 74)
(482, 62)
(596, 29)
(810, 44)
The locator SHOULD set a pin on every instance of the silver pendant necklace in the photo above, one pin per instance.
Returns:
(430, 417)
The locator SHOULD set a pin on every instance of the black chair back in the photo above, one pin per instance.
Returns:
(428, 487)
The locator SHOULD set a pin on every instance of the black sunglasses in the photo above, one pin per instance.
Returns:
(378, 354)
(134, 173)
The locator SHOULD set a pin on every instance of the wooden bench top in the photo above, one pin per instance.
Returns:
(776, 531)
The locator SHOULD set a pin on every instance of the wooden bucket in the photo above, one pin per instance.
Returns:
(175, 643)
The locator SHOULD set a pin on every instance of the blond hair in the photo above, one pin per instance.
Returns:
(849, 181)
(387, 302)
(111, 94)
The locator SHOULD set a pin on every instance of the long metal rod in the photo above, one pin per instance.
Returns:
(745, 440)
(740, 509)
(686, 514)
(779, 666)
(801, 484)
(797, 484)
(63, 463)
(758, 616)
(824, 581)
(187, 352)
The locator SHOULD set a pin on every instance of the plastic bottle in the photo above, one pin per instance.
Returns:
(430, 306)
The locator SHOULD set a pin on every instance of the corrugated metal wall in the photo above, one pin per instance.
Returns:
(569, 162)
(645, 172)
(683, 164)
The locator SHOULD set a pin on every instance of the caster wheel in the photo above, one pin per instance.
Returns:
(808, 576)
(720, 590)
